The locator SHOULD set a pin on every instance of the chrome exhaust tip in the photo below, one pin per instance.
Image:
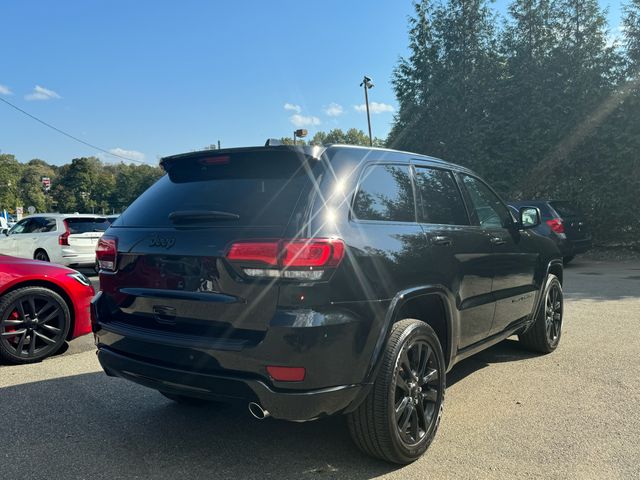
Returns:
(257, 411)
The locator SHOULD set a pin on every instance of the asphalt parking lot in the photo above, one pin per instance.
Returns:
(508, 414)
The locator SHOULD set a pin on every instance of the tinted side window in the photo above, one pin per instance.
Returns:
(20, 226)
(385, 193)
(490, 210)
(31, 225)
(43, 225)
(440, 198)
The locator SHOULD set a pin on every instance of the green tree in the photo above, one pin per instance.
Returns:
(77, 184)
(30, 186)
(10, 173)
(353, 136)
(631, 23)
(447, 86)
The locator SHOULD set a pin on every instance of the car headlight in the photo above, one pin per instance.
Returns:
(80, 278)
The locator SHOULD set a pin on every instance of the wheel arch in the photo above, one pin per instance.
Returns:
(41, 249)
(434, 305)
(411, 302)
(51, 286)
(556, 268)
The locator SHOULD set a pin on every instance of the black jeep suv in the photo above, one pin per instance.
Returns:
(312, 281)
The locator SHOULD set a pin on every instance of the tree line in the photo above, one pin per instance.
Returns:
(543, 102)
(85, 185)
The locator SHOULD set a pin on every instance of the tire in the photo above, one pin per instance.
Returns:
(567, 260)
(375, 426)
(41, 255)
(544, 335)
(184, 399)
(34, 323)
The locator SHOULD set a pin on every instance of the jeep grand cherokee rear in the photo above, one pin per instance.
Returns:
(213, 286)
(317, 281)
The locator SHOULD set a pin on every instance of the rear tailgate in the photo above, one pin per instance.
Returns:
(84, 232)
(172, 275)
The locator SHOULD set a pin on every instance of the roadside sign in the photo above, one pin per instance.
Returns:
(31, 209)
(46, 183)
(19, 213)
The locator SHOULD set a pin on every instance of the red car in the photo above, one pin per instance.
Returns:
(42, 305)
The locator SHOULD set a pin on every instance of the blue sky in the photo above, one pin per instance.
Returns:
(151, 78)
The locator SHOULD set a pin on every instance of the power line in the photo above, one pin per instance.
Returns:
(69, 135)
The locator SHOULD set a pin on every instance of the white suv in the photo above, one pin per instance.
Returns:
(67, 239)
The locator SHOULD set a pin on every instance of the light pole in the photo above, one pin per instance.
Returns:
(367, 84)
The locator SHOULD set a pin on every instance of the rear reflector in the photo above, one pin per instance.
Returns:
(556, 225)
(106, 253)
(286, 374)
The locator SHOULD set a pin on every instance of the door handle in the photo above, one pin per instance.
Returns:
(441, 240)
(497, 241)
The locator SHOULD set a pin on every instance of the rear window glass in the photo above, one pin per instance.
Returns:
(565, 209)
(261, 190)
(84, 225)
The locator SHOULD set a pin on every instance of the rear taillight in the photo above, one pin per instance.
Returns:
(301, 259)
(556, 225)
(106, 253)
(262, 252)
(64, 238)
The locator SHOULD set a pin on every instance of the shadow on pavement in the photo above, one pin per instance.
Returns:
(93, 426)
(506, 351)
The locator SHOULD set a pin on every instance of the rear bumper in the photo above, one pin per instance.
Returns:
(72, 258)
(581, 246)
(330, 346)
(295, 406)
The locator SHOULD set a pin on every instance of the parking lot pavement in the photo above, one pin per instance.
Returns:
(508, 414)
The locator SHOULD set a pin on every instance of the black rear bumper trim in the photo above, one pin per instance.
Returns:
(290, 405)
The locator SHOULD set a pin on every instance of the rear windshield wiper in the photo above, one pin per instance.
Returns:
(201, 216)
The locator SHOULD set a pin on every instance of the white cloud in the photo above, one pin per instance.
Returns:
(375, 107)
(41, 93)
(302, 121)
(4, 90)
(130, 154)
(334, 110)
(293, 107)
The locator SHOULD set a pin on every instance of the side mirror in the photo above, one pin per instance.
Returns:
(5, 231)
(529, 217)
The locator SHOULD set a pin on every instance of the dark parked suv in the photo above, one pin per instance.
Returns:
(312, 281)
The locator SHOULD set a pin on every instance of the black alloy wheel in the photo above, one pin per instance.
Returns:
(544, 335)
(34, 323)
(416, 392)
(553, 314)
(399, 418)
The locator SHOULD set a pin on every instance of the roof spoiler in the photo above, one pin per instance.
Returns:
(310, 152)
